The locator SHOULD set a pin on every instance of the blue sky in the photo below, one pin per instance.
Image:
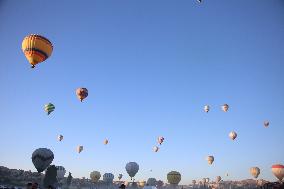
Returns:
(150, 67)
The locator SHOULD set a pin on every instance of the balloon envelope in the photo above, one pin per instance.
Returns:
(82, 93)
(132, 168)
(36, 48)
(206, 108)
(225, 107)
(254, 171)
(174, 177)
(278, 171)
(233, 135)
(210, 159)
(95, 176)
(79, 149)
(42, 158)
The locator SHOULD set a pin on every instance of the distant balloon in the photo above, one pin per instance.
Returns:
(151, 182)
(42, 158)
(207, 180)
(254, 171)
(225, 107)
(60, 138)
(132, 168)
(60, 172)
(203, 180)
(174, 177)
(141, 183)
(278, 171)
(49, 108)
(227, 174)
(156, 149)
(36, 48)
(159, 184)
(108, 177)
(210, 159)
(218, 179)
(82, 93)
(106, 141)
(79, 149)
(206, 108)
(266, 123)
(161, 140)
(233, 135)
(95, 176)
(120, 176)
(193, 182)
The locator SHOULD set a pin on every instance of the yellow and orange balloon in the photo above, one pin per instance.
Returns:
(36, 48)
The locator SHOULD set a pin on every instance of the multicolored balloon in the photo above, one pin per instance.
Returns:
(49, 108)
(82, 93)
(36, 48)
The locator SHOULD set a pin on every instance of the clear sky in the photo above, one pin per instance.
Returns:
(150, 67)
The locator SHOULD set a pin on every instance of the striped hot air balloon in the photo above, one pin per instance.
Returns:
(36, 48)
(49, 108)
(278, 171)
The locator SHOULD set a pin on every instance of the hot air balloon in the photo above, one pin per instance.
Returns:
(193, 182)
(233, 135)
(42, 158)
(120, 176)
(218, 179)
(60, 172)
(161, 140)
(203, 181)
(278, 171)
(82, 93)
(141, 183)
(106, 141)
(210, 159)
(95, 176)
(108, 177)
(151, 182)
(206, 108)
(225, 107)
(207, 180)
(79, 149)
(49, 108)
(132, 168)
(266, 123)
(156, 148)
(174, 177)
(36, 48)
(59, 137)
(159, 184)
(254, 171)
